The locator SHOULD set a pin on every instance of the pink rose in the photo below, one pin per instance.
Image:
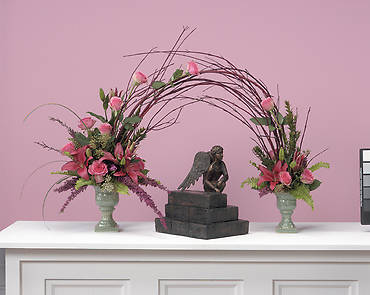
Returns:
(88, 122)
(69, 147)
(192, 68)
(285, 177)
(98, 169)
(105, 128)
(267, 104)
(115, 103)
(307, 176)
(139, 78)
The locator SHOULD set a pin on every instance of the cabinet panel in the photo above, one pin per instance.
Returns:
(87, 287)
(320, 287)
(200, 287)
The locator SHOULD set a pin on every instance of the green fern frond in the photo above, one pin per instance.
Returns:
(319, 165)
(252, 181)
(303, 193)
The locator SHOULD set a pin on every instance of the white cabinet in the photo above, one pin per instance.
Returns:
(2, 271)
(70, 258)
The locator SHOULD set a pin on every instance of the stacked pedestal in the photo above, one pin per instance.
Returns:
(203, 215)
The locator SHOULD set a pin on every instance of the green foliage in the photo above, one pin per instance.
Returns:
(281, 119)
(129, 122)
(104, 98)
(82, 182)
(158, 84)
(266, 161)
(319, 165)
(281, 154)
(251, 181)
(261, 121)
(105, 103)
(101, 118)
(81, 139)
(272, 128)
(70, 173)
(102, 94)
(302, 192)
(177, 74)
(291, 121)
(139, 135)
(121, 188)
(316, 183)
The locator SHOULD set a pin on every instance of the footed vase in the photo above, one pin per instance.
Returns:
(106, 201)
(286, 203)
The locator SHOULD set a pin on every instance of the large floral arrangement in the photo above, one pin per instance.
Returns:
(104, 151)
(285, 166)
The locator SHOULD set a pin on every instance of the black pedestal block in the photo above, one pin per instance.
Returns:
(197, 199)
(203, 231)
(203, 215)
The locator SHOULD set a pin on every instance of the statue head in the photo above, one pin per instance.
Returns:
(217, 152)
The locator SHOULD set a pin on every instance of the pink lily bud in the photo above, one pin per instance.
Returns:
(192, 68)
(272, 154)
(267, 104)
(118, 151)
(139, 78)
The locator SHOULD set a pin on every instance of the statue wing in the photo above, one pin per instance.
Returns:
(200, 165)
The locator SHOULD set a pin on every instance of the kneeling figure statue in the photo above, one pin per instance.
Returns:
(210, 165)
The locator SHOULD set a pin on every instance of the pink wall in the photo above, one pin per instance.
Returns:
(64, 51)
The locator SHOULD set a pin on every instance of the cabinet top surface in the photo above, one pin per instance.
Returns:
(142, 236)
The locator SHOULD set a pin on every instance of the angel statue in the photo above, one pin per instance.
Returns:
(209, 164)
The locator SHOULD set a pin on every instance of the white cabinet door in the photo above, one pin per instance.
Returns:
(193, 278)
(87, 287)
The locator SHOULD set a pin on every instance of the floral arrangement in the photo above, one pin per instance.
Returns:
(285, 167)
(104, 154)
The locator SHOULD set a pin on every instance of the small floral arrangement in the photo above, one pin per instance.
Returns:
(285, 166)
(103, 152)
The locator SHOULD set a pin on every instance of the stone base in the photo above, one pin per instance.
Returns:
(203, 231)
(107, 228)
(201, 215)
(290, 230)
(197, 199)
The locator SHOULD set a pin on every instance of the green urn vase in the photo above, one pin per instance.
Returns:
(106, 201)
(286, 203)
